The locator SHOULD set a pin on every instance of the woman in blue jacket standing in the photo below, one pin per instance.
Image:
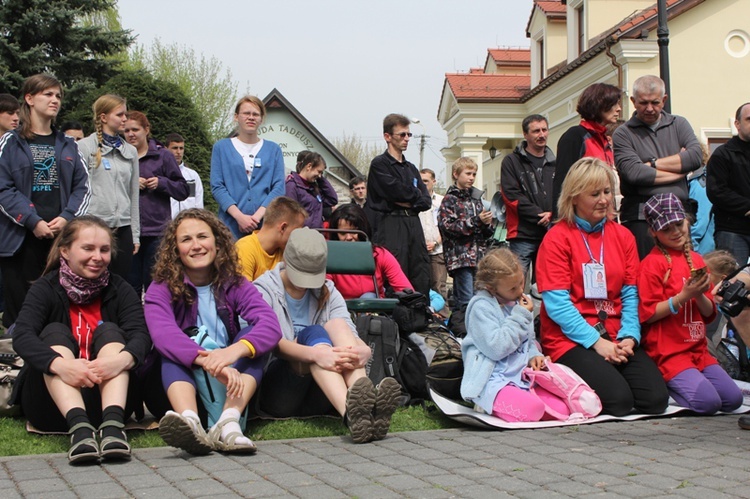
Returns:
(247, 172)
(43, 185)
(160, 179)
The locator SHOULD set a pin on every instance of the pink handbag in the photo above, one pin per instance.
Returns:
(563, 382)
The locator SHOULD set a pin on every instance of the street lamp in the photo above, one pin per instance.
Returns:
(662, 33)
(422, 138)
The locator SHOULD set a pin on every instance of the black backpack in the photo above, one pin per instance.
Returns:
(393, 356)
(445, 363)
(412, 313)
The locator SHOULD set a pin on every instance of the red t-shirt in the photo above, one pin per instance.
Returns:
(84, 319)
(560, 267)
(678, 341)
(353, 286)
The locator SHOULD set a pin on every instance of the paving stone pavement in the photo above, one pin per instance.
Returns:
(686, 456)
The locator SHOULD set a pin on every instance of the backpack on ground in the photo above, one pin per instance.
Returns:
(563, 382)
(10, 366)
(731, 352)
(412, 313)
(442, 352)
(393, 356)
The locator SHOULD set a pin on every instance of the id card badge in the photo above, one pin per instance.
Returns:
(105, 164)
(594, 281)
(257, 163)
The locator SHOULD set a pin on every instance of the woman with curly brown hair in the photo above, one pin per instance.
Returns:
(194, 304)
(113, 172)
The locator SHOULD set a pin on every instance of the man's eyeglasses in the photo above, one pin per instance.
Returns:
(402, 134)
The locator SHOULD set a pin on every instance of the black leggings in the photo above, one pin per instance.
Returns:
(621, 388)
(286, 394)
(37, 403)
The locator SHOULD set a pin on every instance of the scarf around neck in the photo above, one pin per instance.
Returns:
(113, 141)
(81, 290)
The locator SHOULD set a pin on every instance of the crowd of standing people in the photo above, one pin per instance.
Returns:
(239, 308)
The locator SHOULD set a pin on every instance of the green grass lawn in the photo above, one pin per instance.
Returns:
(15, 441)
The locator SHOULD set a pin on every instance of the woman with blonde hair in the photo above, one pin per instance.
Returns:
(43, 185)
(588, 267)
(247, 172)
(195, 302)
(113, 170)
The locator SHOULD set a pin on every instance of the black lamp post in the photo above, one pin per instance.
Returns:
(662, 33)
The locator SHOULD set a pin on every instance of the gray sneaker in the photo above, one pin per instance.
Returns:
(386, 402)
(178, 431)
(360, 401)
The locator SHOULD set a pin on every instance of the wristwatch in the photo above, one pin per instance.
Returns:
(652, 162)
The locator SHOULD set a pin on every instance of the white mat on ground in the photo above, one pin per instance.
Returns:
(467, 415)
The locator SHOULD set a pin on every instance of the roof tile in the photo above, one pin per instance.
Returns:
(488, 86)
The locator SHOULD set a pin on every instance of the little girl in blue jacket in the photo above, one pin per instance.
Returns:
(500, 343)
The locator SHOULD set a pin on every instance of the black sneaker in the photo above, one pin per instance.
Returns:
(744, 422)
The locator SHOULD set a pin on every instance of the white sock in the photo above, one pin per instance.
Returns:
(232, 426)
(193, 419)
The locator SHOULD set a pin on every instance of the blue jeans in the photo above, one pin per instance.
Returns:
(463, 284)
(526, 251)
(737, 244)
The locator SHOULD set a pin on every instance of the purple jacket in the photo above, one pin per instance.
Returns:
(167, 319)
(155, 208)
(312, 196)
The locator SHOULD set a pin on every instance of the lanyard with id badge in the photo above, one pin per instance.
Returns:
(595, 282)
(594, 276)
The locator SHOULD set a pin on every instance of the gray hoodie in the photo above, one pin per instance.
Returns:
(272, 289)
(114, 184)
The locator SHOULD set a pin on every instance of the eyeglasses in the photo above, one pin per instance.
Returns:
(402, 134)
(250, 115)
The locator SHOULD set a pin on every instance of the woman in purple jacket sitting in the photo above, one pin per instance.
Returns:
(310, 188)
(199, 292)
(160, 180)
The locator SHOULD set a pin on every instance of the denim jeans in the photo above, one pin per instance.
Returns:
(526, 251)
(463, 285)
(737, 244)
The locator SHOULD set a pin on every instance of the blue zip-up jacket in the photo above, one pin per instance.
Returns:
(229, 183)
(17, 178)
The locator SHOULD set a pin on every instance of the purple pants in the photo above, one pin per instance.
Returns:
(172, 371)
(705, 392)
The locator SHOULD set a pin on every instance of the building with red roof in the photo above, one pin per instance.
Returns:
(575, 43)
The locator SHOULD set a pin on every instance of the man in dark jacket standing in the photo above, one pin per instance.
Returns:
(728, 188)
(395, 196)
(526, 178)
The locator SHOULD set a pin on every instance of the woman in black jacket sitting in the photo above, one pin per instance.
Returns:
(81, 331)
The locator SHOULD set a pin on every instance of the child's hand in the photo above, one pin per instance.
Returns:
(694, 288)
(525, 302)
(537, 363)
(485, 217)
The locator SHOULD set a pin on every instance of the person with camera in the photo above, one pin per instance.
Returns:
(675, 306)
(731, 295)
